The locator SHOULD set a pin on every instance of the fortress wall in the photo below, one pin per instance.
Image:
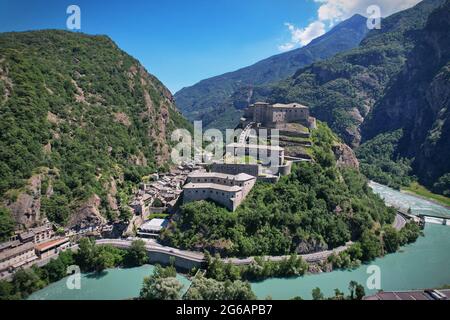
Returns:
(222, 197)
(166, 259)
(234, 169)
(285, 170)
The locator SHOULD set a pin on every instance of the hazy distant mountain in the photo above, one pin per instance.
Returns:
(215, 101)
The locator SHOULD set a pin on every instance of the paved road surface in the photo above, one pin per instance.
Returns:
(199, 257)
(153, 246)
(399, 222)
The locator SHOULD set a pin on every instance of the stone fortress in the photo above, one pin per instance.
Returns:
(277, 115)
(229, 181)
(228, 190)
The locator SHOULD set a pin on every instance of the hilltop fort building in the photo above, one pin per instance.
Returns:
(278, 114)
(227, 190)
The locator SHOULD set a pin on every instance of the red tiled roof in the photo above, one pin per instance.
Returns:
(50, 244)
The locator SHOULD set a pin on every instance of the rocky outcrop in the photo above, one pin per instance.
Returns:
(111, 196)
(26, 208)
(309, 246)
(345, 157)
(122, 118)
(87, 214)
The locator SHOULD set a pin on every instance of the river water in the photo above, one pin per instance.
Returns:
(406, 201)
(423, 264)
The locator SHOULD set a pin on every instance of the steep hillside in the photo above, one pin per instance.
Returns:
(215, 100)
(418, 103)
(80, 121)
(321, 205)
(342, 90)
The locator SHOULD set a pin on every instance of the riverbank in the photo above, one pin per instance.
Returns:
(405, 201)
(420, 191)
(423, 264)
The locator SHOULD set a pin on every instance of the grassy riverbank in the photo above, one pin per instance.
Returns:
(416, 189)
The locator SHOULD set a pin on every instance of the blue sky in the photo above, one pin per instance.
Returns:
(183, 42)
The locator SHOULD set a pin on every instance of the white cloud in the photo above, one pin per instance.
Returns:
(331, 12)
(286, 47)
(303, 36)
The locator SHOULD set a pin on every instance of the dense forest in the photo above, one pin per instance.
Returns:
(318, 206)
(381, 162)
(80, 116)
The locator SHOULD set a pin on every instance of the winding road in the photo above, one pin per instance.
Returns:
(399, 222)
(153, 246)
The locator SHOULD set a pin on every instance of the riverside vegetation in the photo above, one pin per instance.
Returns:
(221, 280)
(89, 258)
(163, 285)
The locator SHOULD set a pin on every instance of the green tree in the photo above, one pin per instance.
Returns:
(137, 254)
(56, 269)
(209, 289)
(125, 213)
(6, 224)
(7, 291)
(338, 295)
(357, 291)
(409, 233)
(161, 285)
(85, 256)
(391, 239)
(317, 294)
(104, 259)
(370, 246)
(27, 281)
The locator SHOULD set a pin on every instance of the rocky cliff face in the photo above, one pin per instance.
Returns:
(345, 157)
(26, 205)
(87, 214)
(418, 101)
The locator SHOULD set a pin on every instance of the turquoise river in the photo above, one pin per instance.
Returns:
(424, 264)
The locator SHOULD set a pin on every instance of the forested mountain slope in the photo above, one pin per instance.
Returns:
(417, 103)
(80, 120)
